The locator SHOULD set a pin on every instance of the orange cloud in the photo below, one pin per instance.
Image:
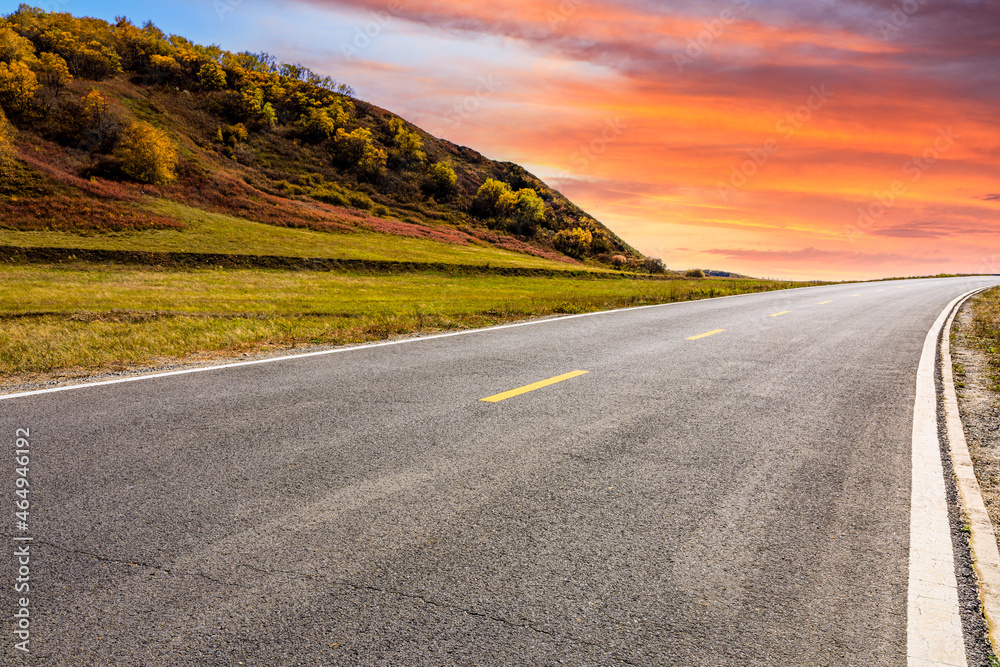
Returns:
(867, 139)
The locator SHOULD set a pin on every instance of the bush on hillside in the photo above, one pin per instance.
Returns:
(102, 123)
(520, 212)
(440, 180)
(408, 146)
(6, 148)
(231, 135)
(574, 242)
(357, 149)
(695, 273)
(654, 265)
(145, 154)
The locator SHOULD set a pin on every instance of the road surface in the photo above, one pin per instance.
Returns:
(739, 498)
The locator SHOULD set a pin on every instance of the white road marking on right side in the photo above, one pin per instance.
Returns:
(933, 624)
(982, 538)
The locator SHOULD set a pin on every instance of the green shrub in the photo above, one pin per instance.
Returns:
(695, 273)
(654, 265)
(231, 135)
(330, 197)
(289, 189)
(440, 180)
(360, 200)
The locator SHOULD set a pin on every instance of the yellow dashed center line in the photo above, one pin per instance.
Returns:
(823, 303)
(706, 335)
(532, 387)
(784, 312)
(854, 295)
(880, 290)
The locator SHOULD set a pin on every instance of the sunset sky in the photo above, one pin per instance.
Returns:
(776, 138)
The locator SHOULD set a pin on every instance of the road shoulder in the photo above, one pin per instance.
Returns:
(976, 450)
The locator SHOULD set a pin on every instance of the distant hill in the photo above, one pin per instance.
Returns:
(99, 121)
(723, 274)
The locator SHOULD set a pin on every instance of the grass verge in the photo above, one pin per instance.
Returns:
(985, 331)
(81, 319)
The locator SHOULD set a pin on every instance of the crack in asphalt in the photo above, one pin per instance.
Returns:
(151, 566)
(524, 624)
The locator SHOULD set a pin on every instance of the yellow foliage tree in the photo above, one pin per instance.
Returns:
(52, 72)
(574, 242)
(211, 76)
(146, 155)
(6, 147)
(372, 162)
(440, 180)
(165, 68)
(18, 85)
(408, 143)
(491, 199)
(13, 46)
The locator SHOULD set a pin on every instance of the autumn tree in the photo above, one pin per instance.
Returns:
(53, 72)
(13, 46)
(53, 76)
(372, 162)
(211, 76)
(491, 199)
(146, 154)
(519, 212)
(408, 145)
(163, 69)
(527, 212)
(102, 122)
(18, 85)
(574, 242)
(323, 123)
(357, 149)
(231, 135)
(253, 109)
(6, 148)
(440, 180)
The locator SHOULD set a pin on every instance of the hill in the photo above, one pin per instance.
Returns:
(119, 137)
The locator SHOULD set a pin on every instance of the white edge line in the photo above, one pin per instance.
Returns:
(934, 631)
(367, 346)
(982, 539)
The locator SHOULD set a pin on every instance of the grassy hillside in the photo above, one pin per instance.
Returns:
(116, 135)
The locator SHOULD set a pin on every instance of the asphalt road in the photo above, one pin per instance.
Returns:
(739, 499)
